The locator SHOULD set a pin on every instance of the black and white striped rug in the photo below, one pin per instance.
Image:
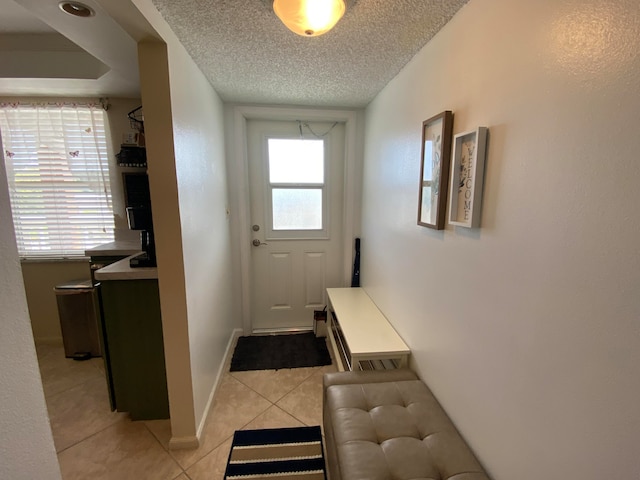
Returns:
(277, 454)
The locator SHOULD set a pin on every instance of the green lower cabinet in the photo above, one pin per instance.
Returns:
(135, 350)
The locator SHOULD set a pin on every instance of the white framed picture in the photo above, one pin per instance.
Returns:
(467, 175)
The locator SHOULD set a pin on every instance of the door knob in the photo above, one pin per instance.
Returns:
(257, 243)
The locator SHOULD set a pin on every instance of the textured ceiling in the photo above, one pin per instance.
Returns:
(249, 56)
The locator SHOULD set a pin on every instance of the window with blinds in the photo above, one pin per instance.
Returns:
(58, 175)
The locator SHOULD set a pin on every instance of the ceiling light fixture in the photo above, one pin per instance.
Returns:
(77, 9)
(309, 18)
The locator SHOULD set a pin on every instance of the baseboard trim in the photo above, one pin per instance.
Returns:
(178, 443)
(183, 443)
(223, 368)
(272, 331)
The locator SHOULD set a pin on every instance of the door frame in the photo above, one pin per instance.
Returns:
(239, 172)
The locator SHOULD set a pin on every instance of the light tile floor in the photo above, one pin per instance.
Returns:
(93, 442)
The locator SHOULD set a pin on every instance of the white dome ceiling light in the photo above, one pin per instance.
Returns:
(309, 18)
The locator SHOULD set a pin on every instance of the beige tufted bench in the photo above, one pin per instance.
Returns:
(388, 426)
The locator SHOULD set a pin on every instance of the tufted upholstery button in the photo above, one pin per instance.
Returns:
(393, 421)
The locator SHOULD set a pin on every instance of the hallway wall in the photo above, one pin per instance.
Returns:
(187, 179)
(27, 449)
(526, 329)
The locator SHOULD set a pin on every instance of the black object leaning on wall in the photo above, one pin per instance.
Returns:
(355, 279)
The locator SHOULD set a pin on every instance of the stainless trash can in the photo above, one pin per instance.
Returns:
(78, 320)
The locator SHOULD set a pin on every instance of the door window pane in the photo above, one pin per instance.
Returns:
(296, 161)
(297, 208)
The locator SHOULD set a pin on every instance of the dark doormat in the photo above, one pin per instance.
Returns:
(273, 352)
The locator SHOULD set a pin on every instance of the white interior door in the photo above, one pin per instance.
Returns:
(296, 172)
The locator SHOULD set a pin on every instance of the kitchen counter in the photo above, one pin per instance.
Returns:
(119, 247)
(131, 331)
(121, 270)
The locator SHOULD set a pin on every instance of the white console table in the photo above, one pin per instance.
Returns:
(360, 335)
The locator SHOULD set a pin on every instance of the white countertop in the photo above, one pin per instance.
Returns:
(119, 247)
(121, 270)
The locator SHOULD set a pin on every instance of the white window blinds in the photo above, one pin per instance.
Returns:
(58, 175)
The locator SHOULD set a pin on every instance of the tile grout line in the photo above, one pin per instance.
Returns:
(89, 436)
(66, 390)
(81, 383)
(274, 402)
(270, 403)
(166, 450)
(230, 436)
(261, 395)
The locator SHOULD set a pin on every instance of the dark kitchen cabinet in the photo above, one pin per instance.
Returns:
(134, 346)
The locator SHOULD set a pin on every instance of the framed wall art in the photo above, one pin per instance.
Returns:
(465, 197)
(434, 170)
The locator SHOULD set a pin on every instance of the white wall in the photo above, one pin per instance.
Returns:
(198, 120)
(527, 328)
(187, 177)
(26, 449)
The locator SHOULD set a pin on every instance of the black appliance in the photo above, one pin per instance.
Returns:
(138, 207)
(139, 218)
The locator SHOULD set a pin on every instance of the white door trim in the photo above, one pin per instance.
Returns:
(241, 114)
